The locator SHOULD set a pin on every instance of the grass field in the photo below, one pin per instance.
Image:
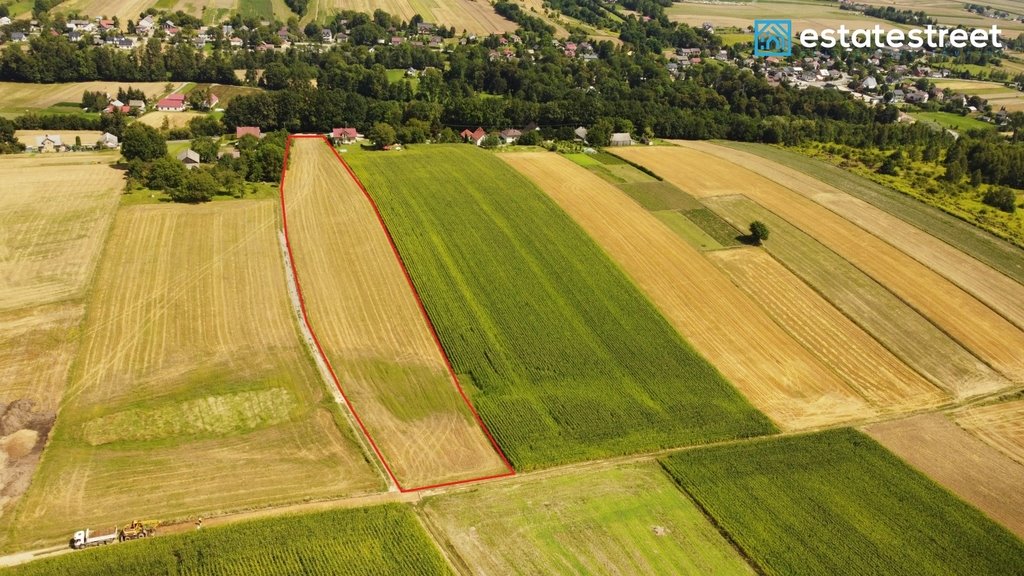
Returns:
(997, 253)
(997, 95)
(952, 13)
(475, 16)
(772, 369)
(687, 230)
(54, 219)
(191, 371)
(19, 97)
(626, 520)
(981, 330)
(566, 359)
(895, 325)
(367, 318)
(865, 365)
(1001, 425)
(953, 121)
(379, 540)
(1001, 293)
(838, 503)
(964, 465)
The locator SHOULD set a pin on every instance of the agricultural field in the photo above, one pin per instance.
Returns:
(898, 327)
(952, 121)
(1000, 425)
(804, 14)
(173, 119)
(1001, 293)
(977, 327)
(562, 356)
(778, 375)
(865, 365)
(369, 323)
(997, 95)
(378, 540)
(952, 13)
(997, 253)
(191, 369)
(837, 503)
(54, 218)
(474, 16)
(88, 137)
(963, 464)
(625, 520)
(18, 97)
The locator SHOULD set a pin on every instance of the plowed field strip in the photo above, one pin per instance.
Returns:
(774, 371)
(366, 318)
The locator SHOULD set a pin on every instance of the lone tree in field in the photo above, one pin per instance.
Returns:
(758, 232)
(382, 134)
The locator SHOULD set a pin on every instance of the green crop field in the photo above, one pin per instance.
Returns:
(954, 121)
(995, 252)
(838, 503)
(627, 520)
(379, 540)
(564, 358)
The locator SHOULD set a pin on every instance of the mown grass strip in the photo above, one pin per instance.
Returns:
(569, 361)
(384, 539)
(838, 503)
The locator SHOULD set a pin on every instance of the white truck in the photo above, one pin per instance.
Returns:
(85, 539)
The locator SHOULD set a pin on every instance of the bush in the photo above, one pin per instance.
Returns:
(1002, 198)
(759, 232)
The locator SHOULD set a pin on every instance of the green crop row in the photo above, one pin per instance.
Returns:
(565, 359)
(837, 503)
(380, 540)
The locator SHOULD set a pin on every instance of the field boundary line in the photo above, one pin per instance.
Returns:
(423, 311)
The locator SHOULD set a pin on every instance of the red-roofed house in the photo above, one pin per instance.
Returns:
(212, 101)
(173, 103)
(476, 136)
(345, 135)
(248, 131)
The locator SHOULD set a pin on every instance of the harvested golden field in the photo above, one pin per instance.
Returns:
(366, 316)
(1000, 292)
(778, 375)
(898, 327)
(191, 371)
(20, 95)
(1001, 425)
(966, 466)
(881, 378)
(980, 329)
(475, 16)
(174, 119)
(53, 219)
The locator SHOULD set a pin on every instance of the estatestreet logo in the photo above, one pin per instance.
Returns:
(775, 38)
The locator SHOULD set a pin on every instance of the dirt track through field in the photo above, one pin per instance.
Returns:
(963, 464)
(1000, 425)
(980, 329)
(365, 315)
(999, 291)
(765, 363)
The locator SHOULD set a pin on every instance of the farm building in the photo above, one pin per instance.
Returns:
(621, 139)
(510, 135)
(474, 136)
(190, 158)
(345, 135)
(248, 131)
(173, 103)
(107, 140)
(49, 143)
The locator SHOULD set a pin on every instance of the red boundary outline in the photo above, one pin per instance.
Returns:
(423, 311)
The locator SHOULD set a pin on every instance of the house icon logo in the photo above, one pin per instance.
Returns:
(773, 37)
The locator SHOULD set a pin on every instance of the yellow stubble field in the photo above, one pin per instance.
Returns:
(192, 393)
(365, 314)
(778, 375)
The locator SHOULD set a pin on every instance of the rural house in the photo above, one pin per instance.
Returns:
(248, 131)
(621, 139)
(510, 135)
(476, 136)
(190, 158)
(49, 143)
(107, 140)
(173, 103)
(345, 135)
